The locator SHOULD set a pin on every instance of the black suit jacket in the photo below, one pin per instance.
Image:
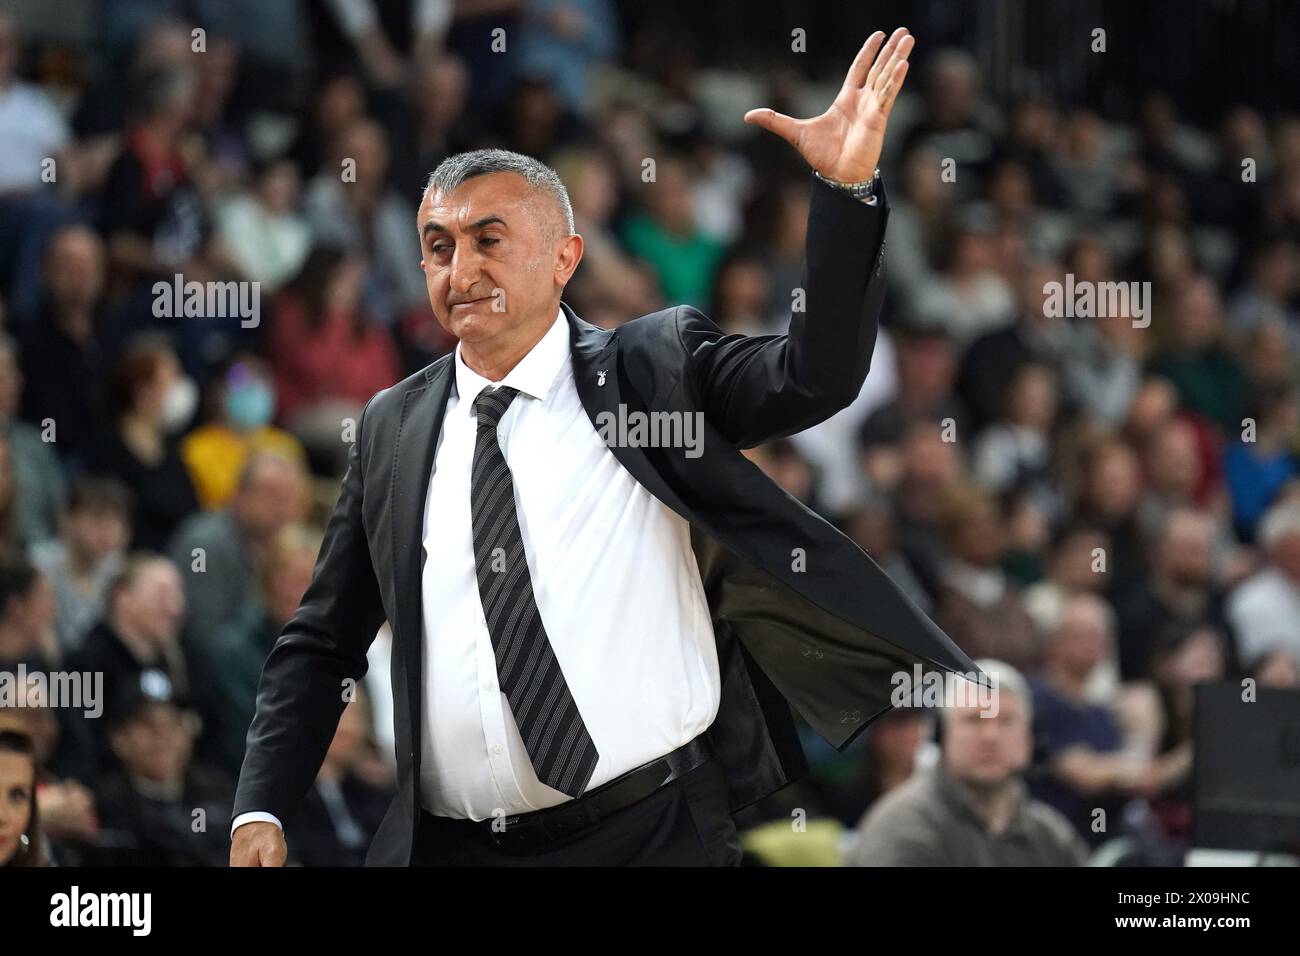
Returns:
(802, 616)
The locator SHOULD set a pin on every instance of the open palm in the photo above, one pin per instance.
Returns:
(844, 143)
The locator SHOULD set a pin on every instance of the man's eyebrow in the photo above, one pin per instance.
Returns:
(432, 226)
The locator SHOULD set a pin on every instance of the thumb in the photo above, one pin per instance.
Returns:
(786, 127)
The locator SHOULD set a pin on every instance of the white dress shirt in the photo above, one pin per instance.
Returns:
(615, 580)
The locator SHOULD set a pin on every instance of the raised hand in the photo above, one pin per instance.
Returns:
(844, 143)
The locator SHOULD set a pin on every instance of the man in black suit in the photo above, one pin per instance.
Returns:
(598, 633)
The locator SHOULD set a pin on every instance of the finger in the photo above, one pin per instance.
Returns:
(273, 854)
(898, 56)
(786, 127)
(862, 62)
(874, 74)
(890, 92)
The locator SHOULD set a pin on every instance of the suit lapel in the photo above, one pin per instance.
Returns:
(413, 450)
(597, 373)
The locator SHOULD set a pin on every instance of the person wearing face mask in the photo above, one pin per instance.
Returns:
(150, 401)
(240, 403)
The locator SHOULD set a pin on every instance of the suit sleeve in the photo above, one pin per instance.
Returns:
(301, 694)
(754, 388)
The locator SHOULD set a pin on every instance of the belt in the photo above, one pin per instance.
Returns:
(536, 829)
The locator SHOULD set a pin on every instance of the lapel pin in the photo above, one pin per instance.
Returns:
(600, 376)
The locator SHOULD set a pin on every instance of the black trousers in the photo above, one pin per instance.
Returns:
(683, 823)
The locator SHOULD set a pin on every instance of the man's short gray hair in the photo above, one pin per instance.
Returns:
(1005, 677)
(454, 170)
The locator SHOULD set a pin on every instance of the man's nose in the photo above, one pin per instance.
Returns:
(465, 271)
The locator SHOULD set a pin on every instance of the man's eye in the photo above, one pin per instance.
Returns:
(438, 249)
(489, 240)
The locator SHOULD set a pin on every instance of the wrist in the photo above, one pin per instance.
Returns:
(864, 190)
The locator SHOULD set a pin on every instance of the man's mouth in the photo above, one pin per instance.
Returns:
(470, 302)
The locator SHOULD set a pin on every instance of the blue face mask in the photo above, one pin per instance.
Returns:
(250, 405)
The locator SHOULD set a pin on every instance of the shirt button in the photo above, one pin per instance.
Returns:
(498, 750)
(489, 685)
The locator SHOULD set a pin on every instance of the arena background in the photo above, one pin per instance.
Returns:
(1108, 501)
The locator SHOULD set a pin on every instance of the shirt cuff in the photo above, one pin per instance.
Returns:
(254, 816)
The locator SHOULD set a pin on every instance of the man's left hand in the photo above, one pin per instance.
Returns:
(844, 143)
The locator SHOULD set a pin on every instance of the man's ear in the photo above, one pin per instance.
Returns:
(567, 259)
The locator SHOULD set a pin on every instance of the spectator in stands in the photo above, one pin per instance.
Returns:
(136, 644)
(87, 556)
(978, 606)
(328, 357)
(1180, 586)
(1263, 460)
(921, 215)
(38, 152)
(615, 285)
(149, 400)
(21, 839)
(240, 403)
(62, 356)
(26, 617)
(1086, 765)
(1015, 450)
(243, 644)
(925, 469)
(37, 475)
(343, 809)
(1195, 357)
(1264, 610)
(956, 124)
(564, 42)
(1269, 295)
(1037, 334)
(350, 206)
(667, 236)
(1108, 497)
(150, 805)
(268, 240)
(67, 806)
(927, 366)
(223, 553)
(1183, 656)
(152, 214)
(968, 296)
(1076, 564)
(973, 808)
(873, 527)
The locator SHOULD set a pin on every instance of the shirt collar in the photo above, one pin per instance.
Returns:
(533, 376)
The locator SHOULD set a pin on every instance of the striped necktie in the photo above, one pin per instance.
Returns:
(554, 735)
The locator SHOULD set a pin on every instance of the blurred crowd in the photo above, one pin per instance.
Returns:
(1105, 508)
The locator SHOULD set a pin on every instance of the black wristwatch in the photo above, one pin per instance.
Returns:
(864, 190)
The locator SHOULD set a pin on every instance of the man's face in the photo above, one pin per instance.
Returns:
(494, 261)
(983, 752)
(95, 534)
(75, 268)
(156, 743)
(155, 604)
(273, 497)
